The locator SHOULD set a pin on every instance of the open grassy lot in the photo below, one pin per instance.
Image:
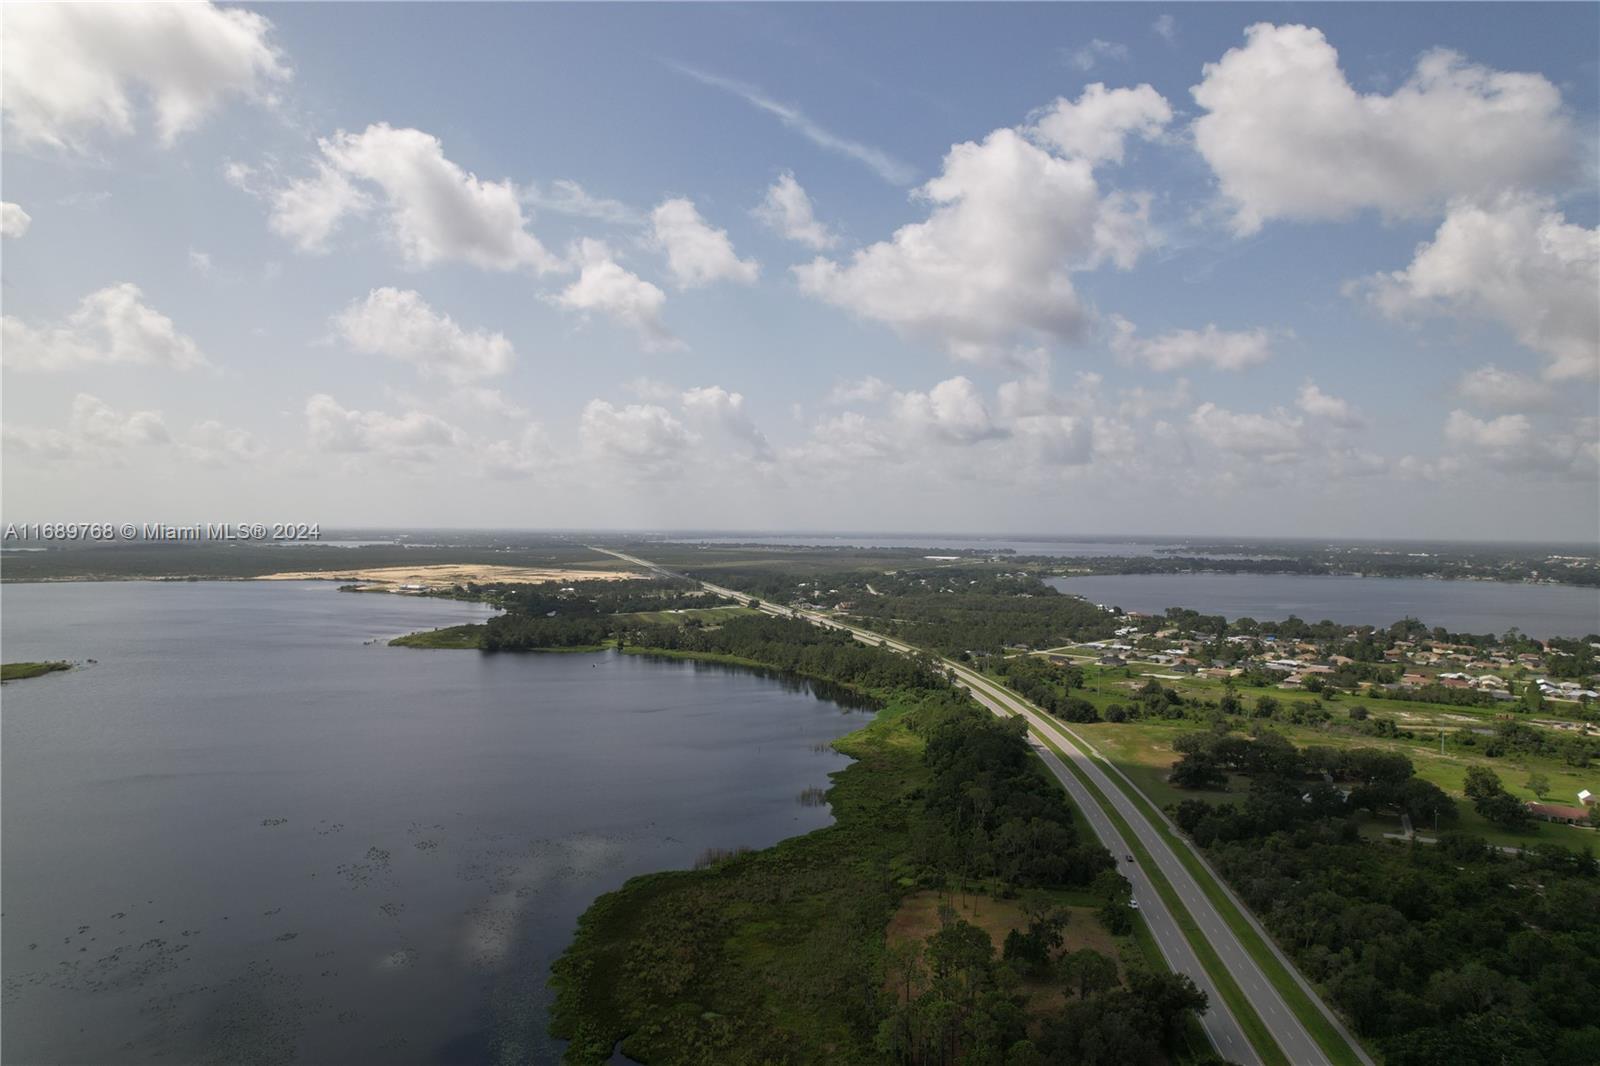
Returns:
(1143, 751)
(708, 615)
(918, 918)
(465, 637)
(18, 671)
(458, 637)
(1105, 685)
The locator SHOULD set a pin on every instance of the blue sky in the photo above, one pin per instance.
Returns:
(1288, 269)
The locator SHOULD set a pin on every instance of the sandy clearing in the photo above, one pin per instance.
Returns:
(918, 919)
(446, 575)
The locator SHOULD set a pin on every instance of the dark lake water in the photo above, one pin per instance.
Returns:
(245, 834)
(1540, 611)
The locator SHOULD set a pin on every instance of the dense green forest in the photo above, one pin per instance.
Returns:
(1501, 563)
(1439, 954)
(954, 609)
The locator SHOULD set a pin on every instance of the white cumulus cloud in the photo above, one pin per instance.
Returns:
(400, 324)
(953, 410)
(111, 326)
(697, 252)
(435, 210)
(1507, 431)
(991, 265)
(1517, 261)
(1095, 126)
(607, 287)
(1318, 404)
(97, 422)
(787, 210)
(637, 434)
(1504, 390)
(72, 70)
(1270, 438)
(1289, 137)
(410, 435)
(95, 431)
(716, 410)
(1513, 443)
(1219, 349)
(14, 221)
(869, 389)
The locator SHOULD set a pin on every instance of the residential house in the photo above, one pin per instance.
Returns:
(1552, 812)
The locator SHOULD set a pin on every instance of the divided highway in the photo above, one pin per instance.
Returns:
(1223, 1029)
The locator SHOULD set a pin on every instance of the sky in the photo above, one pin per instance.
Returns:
(1277, 270)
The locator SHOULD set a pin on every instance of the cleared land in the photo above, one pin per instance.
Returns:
(449, 575)
(705, 615)
(918, 919)
(1143, 749)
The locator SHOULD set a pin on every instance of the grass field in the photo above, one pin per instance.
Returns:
(918, 918)
(18, 671)
(708, 615)
(1105, 685)
(1143, 751)
(460, 637)
(465, 637)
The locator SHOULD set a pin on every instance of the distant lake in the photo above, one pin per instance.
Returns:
(1023, 546)
(245, 834)
(1540, 611)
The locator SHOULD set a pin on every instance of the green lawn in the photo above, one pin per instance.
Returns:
(1143, 751)
(461, 637)
(18, 671)
(1105, 684)
(707, 615)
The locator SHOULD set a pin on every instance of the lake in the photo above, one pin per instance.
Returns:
(1031, 546)
(252, 832)
(1540, 611)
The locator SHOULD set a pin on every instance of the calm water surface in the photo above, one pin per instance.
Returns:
(246, 834)
(1541, 611)
(1035, 546)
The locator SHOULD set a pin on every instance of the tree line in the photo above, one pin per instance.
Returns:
(1441, 954)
